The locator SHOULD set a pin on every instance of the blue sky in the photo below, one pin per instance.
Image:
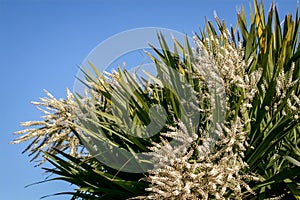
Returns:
(43, 41)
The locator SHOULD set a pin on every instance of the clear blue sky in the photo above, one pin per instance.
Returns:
(43, 41)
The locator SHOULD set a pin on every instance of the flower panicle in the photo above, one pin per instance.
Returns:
(54, 131)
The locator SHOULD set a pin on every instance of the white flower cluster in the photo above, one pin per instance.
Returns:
(283, 85)
(225, 65)
(192, 169)
(180, 173)
(54, 130)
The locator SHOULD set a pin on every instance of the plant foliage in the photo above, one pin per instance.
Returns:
(247, 147)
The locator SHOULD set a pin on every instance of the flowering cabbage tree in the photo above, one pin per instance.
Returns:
(243, 82)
